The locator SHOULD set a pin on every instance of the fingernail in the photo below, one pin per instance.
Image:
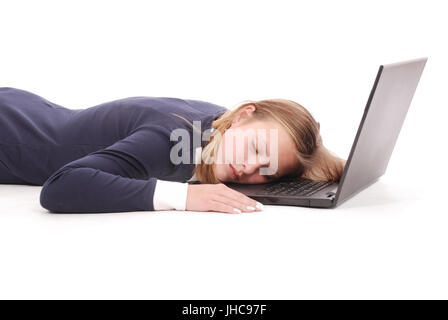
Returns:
(260, 206)
(237, 210)
(250, 208)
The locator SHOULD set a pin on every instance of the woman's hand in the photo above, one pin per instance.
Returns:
(219, 197)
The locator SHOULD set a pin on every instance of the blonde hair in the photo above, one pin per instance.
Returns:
(316, 162)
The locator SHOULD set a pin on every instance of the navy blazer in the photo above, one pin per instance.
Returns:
(105, 158)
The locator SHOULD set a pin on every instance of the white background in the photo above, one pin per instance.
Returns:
(390, 241)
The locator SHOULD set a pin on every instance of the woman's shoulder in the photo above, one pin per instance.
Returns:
(163, 105)
(172, 104)
(150, 112)
(163, 109)
(205, 106)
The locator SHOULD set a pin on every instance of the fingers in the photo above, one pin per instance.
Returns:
(223, 207)
(236, 204)
(243, 200)
(232, 201)
(219, 197)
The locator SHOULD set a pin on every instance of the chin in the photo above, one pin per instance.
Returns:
(222, 180)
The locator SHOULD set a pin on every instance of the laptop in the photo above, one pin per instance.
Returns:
(383, 117)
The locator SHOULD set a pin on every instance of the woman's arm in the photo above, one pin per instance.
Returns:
(121, 178)
(117, 178)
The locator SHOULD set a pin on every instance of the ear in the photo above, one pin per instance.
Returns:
(244, 114)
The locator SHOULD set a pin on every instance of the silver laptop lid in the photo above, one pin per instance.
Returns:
(380, 126)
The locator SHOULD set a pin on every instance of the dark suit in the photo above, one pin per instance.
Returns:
(105, 158)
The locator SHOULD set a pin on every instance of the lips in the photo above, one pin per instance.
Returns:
(234, 172)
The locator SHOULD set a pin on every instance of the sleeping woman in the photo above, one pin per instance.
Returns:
(123, 155)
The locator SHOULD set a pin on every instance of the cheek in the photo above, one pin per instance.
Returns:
(227, 149)
(218, 170)
(244, 151)
(234, 149)
(221, 153)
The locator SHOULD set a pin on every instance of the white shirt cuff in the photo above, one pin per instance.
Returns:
(169, 195)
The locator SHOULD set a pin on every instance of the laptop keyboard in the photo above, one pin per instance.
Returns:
(301, 187)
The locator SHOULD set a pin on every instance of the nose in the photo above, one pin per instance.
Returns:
(251, 168)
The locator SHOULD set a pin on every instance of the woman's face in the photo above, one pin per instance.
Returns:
(255, 151)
